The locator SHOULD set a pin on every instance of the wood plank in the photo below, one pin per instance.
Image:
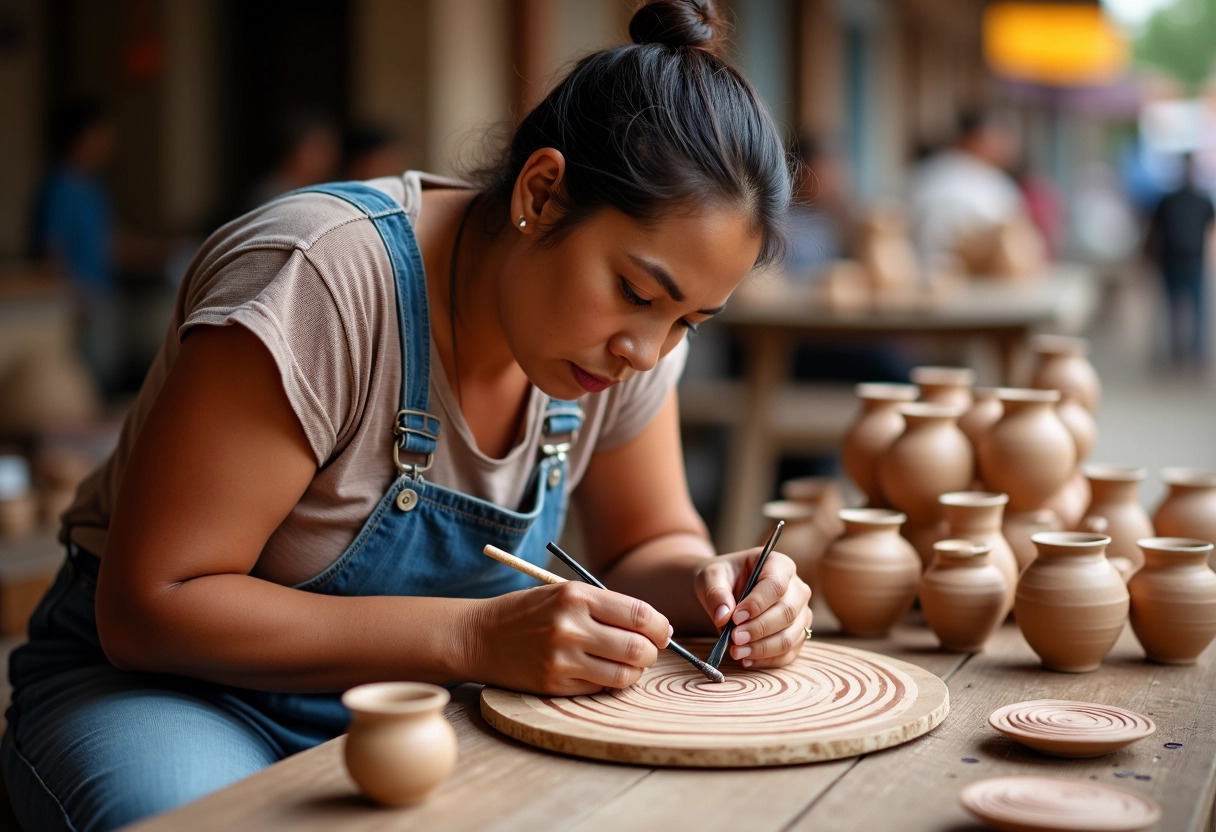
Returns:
(919, 783)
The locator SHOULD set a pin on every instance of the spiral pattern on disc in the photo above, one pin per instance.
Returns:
(1061, 720)
(1057, 803)
(822, 690)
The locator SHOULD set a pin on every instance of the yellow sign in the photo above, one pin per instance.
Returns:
(1063, 44)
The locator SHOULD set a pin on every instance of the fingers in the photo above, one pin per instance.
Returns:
(621, 611)
(771, 587)
(777, 649)
(713, 584)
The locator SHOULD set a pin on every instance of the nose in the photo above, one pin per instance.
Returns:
(640, 350)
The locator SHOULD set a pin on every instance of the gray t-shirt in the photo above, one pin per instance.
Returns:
(309, 276)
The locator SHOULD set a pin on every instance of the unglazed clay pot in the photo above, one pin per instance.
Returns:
(1115, 499)
(945, 385)
(922, 536)
(985, 411)
(1071, 603)
(1063, 365)
(869, 576)
(963, 595)
(977, 516)
(1174, 599)
(931, 458)
(1021, 526)
(825, 495)
(1028, 454)
(1189, 508)
(1071, 500)
(1080, 423)
(801, 539)
(877, 426)
(400, 746)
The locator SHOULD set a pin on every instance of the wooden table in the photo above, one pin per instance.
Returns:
(500, 784)
(771, 316)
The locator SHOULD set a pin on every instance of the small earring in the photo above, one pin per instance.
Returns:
(522, 222)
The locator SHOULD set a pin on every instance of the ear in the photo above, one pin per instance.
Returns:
(532, 197)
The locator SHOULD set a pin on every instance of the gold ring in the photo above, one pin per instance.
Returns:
(807, 630)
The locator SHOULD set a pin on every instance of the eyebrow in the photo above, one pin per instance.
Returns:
(664, 279)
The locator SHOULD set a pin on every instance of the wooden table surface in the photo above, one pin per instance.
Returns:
(500, 784)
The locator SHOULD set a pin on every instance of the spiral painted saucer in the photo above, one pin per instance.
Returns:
(1053, 804)
(1071, 729)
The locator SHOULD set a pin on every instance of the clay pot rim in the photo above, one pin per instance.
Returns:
(788, 510)
(395, 698)
(1073, 540)
(961, 548)
(1027, 395)
(930, 410)
(886, 391)
(984, 499)
(807, 489)
(1191, 477)
(1052, 344)
(937, 375)
(1176, 545)
(1104, 472)
(983, 393)
(873, 516)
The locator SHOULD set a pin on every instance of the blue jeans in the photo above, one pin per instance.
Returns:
(90, 747)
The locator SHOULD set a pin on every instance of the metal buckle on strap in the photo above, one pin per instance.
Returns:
(414, 470)
(426, 419)
(559, 449)
(430, 437)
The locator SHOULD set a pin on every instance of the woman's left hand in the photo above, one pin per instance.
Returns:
(770, 622)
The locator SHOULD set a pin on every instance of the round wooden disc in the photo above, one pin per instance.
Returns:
(831, 702)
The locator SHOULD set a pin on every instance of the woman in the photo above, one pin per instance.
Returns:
(328, 438)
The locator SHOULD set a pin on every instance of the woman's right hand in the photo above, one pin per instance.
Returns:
(566, 639)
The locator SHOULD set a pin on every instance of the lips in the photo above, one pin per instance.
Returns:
(590, 383)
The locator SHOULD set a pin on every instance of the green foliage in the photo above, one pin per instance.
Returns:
(1180, 40)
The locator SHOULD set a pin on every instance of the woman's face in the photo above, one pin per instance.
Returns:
(614, 296)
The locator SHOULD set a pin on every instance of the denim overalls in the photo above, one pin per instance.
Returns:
(93, 747)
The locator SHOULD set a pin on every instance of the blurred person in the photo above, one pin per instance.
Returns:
(964, 187)
(371, 151)
(1178, 240)
(820, 222)
(1043, 205)
(309, 152)
(264, 537)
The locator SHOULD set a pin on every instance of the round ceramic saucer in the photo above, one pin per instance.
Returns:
(1051, 804)
(1071, 729)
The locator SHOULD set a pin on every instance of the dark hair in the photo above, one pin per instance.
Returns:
(664, 123)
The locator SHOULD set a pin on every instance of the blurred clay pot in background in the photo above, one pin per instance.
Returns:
(1071, 500)
(930, 458)
(1173, 609)
(801, 539)
(46, 389)
(1021, 526)
(1063, 365)
(877, 425)
(1071, 603)
(963, 595)
(977, 516)
(984, 412)
(1115, 499)
(945, 385)
(869, 575)
(1189, 508)
(1028, 454)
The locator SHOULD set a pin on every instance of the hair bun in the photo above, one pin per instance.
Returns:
(678, 23)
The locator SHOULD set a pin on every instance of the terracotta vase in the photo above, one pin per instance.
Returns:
(1080, 423)
(1071, 603)
(977, 516)
(1173, 609)
(1116, 500)
(922, 536)
(945, 385)
(963, 595)
(1189, 507)
(876, 427)
(985, 411)
(1071, 500)
(931, 458)
(801, 539)
(400, 745)
(1028, 454)
(1063, 365)
(869, 576)
(1021, 526)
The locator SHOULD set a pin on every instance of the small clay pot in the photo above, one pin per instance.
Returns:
(869, 576)
(1115, 499)
(977, 516)
(1173, 609)
(400, 746)
(945, 385)
(801, 539)
(1028, 454)
(1189, 508)
(1063, 364)
(922, 536)
(1080, 423)
(825, 495)
(963, 595)
(931, 458)
(1019, 529)
(985, 411)
(1071, 500)
(877, 425)
(1071, 603)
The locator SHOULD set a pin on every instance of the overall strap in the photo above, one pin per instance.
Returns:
(417, 429)
(562, 421)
